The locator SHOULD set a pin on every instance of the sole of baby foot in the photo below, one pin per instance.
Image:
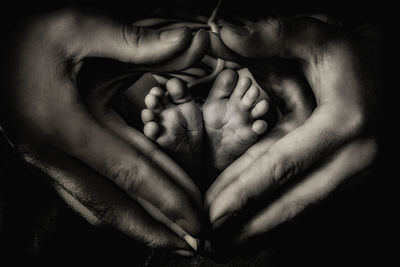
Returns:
(233, 117)
(174, 121)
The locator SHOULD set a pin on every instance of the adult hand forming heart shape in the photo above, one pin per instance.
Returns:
(77, 138)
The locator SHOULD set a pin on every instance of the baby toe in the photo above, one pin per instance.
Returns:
(260, 109)
(152, 101)
(178, 91)
(250, 97)
(224, 85)
(242, 86)
(151, 130)
(259, 126)
(147, 116)
(157, 91)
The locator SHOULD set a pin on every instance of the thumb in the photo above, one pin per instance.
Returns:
(101, 37)
(283, 37)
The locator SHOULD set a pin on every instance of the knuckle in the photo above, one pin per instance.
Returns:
(132, 34)
(243, 196)
(125, 176)
(105, 214)
(151, 241)
(291, 209)
(283, 169)
(155, 237)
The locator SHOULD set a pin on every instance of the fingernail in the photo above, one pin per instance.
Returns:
(192, 242)
(184, 253)
(172, 35)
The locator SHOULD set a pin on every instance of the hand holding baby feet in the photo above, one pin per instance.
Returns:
(174, 121)
(232, 117)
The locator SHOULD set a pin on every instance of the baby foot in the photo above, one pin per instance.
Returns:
(232, 117)
(174, 121)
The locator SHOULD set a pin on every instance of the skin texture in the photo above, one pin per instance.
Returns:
(110, 173)
(232, 117)
(91, 154)
(175, 123)
(335, 142)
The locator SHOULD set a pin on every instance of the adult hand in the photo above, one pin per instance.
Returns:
(302, 163)
(80, 143)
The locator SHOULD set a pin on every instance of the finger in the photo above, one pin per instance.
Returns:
(209, 61)
(160, 79)
(325, 18)
(101, 37)
(314, 187)
(78, 207)
(192, 54)
(298, 107)
(231, 65)
(154, 22)
(221, 50)
(283, 37)
(91, 195)
(288, 157)
(306, 39)
(186, 187)
(183, 77)
(232, 172)
(169, 166)
(191, 25)
(189, 190)
(197, 72)
(112, 121)
(128, 166)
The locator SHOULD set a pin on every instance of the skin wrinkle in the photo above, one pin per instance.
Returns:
(104, 213)
(349, 131)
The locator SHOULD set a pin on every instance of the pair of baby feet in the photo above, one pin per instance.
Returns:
(231, 120)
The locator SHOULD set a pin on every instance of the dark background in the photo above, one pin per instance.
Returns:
(354, 227)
